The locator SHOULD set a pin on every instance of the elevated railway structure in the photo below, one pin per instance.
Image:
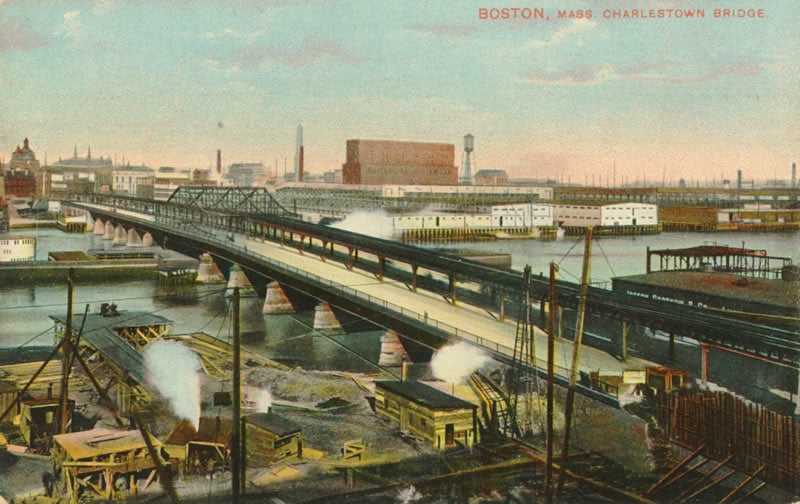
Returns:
(500, 288)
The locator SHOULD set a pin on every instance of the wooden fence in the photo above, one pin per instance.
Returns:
(726, 425)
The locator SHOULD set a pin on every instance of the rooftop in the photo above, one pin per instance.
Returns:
(272, 423)
(765, 291)
(19, 355)
(97, 442)
(424, 394)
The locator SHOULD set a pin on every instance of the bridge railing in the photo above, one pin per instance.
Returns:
(355, 293)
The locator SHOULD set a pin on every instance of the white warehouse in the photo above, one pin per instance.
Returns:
(610, 215)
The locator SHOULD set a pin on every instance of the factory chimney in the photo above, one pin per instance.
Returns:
(466, 169)
(739, 179)
(794, 175)
(298, 157)
(219, 161)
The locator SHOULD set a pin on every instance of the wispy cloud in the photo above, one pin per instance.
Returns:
(16, 35)
(230, 33)
(71, 27)
(311, 52)
(562, 33)
(583, 75)
(453, 31)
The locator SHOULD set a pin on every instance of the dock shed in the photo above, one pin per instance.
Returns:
(201, 450)
(102, 461)
(270, 438)
(426, 412)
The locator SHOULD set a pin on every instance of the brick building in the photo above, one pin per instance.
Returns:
(375, 162)
(491, 177)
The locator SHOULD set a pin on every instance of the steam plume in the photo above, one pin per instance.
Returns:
(263, 401)
(454, 363)
(371, 223)
(173, 369)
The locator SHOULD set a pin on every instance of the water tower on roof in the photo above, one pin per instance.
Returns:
(466, 168)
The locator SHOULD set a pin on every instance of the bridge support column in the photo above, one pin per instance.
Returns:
(325, 320)
(453, 288)
(120, 235)
(704, 364)
(624, 342)
(207, 271)
(108, 234)
(324, 250)
(350, 258)
(300, 248)
(99, 227)
(237, 279)
(392, 351)
(276, 300)
(414, 268)
(381, 266)
(147, 240)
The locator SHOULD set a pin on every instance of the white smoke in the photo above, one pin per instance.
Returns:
(372, 223)
(408, 494)
(454, 363)
(263, 401)
(174, 370)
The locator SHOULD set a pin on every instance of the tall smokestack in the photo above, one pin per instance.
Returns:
(219, 161)
(739, 179)
(298, 157)
(794, 175)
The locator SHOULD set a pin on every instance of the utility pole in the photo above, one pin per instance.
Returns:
(236, 455)
(551, 360)
(63, 402)
(576, 357)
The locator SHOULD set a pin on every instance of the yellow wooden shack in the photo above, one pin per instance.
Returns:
(104, 462)
(428, 413)
(202, 450)
(270, 438)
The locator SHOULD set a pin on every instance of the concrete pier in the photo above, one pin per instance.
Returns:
(325, 321)
(207, 271)
(108, 234)
(120, 236)
(147, 240)
(99, 227)
(237, 278)
(276, 300)
(134, 240)
(392, 351)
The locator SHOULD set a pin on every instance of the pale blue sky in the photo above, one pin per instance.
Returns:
(152, 80)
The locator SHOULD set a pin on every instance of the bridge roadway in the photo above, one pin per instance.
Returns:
(765, 342)
(386, 301)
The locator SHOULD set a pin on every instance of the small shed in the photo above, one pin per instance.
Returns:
(38, 418)
(103, 461)
(426, 412)
(270, 438)
(202, 450)
(8, 392)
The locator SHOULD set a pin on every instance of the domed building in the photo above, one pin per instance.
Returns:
(21, 173)
(24, 160)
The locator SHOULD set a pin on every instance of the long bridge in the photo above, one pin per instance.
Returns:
(186, 222)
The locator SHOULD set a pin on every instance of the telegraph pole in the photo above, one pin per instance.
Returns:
(551, 359)
(576, 356)
(65, 365)
(236, 455)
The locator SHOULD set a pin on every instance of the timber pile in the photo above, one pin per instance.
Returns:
(217, 355)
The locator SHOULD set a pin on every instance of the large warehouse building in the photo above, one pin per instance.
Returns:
(378, 162)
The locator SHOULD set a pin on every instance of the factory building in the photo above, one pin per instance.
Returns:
(491, 177)
(610, 215)
(80, 175)
(127, 179)
(15, 248)
(389, 162)
(248, 174)
(474, 192)
(441, 419)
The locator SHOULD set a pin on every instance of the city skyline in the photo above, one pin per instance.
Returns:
(167, 84)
